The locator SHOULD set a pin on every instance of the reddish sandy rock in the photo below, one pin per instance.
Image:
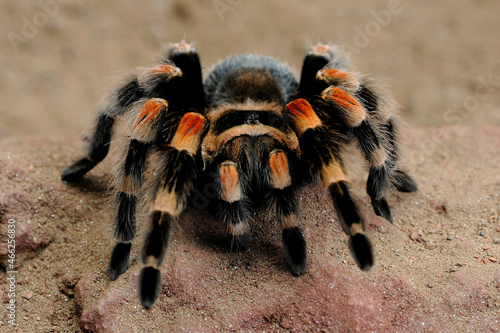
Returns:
(430, 265)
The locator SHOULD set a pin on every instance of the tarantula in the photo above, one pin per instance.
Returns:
(259, 133)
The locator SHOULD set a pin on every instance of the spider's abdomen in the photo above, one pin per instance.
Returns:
(249, 78)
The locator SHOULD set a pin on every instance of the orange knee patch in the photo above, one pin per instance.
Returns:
(164, 69)
(279, 170)
(354, 112)
(183, 47)
(230, 183)
(303, 115)
(339, 77)
(189, 132)
(320, 48)
(142, 129)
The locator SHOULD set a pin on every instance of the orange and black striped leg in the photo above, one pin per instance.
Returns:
(401, 180)
(129, 182)
(334, 179)
(282, 199)
(322, 153)
(125, 223)
(359, 244)
(354, 116)
(153, 254)
(232, 209)
(170, 196)
(381, 171)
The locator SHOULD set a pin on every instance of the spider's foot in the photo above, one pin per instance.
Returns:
(76, 171)
(149, 286)
(119, 260)
(362, 251)
(295, 250)
(382, 209)
(240, 243)
(404, 183)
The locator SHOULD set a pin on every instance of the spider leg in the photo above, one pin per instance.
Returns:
(321, 149)
(170, 196)
(130, 181)
(100, 138)
(283, 200)
(401, 180)
(355, 116)
(232, 208)
(163, 81)
(381, 168)
(385, 172)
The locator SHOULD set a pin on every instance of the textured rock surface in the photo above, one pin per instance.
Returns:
(434, 271)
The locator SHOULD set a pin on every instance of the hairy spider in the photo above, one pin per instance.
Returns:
(260, 133)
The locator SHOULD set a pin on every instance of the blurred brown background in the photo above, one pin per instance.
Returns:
(59, 58)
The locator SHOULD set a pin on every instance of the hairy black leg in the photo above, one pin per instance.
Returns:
(149, 285)
(359, 244)
(125, 222)
(171, 190)
(316, 58)
(130, 181)
(98, 149)
(381, 171)
(187, 59)
(286, 207)
(401, 180)
(281, 198)
(376, 187)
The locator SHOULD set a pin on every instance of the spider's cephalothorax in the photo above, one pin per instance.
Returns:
(255, 130)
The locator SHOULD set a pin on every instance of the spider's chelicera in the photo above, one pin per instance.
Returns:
(259, 133)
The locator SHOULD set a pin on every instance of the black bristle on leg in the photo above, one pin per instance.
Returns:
(345, 207)
(76, 171)
(149, 282)
(240, 243)
(157, 239)
(135, 161)
(125, 225)
(403, 182)
(295, 250)
(119, 260)
(313, 62)
(381, 208)
(376, 186)
(149, 286)
(99, 146)
(235, 213)
(98, 149)
(362, 251)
